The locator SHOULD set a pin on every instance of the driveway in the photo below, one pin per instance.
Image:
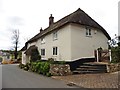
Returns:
(14, 77)
(103, 80)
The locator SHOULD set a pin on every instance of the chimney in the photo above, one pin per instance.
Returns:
(51, 20)
(41, 30)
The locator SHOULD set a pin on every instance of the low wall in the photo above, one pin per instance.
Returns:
(60, 70)
(113, 67)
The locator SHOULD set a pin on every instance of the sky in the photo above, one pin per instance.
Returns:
(28, 16)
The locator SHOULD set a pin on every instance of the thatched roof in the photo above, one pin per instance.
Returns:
(29, 50)
(78, 17)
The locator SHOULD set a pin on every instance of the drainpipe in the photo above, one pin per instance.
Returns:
(97, 56)
(110, 55)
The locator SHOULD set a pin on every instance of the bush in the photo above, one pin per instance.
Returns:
(21, 65)
(51, 60)
(61, 62)
(115, 54)
(33, 64)
(35, 55)
(4, 62)
(43, 67)
(1, 59)
(48, 74)
(40, 67)
(27, 66)
(11, 62)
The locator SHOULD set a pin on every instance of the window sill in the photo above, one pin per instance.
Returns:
(55, 55)
(88, 35)
(55, 39)
(42, 43)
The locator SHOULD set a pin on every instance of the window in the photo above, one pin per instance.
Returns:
(54, 50)
(88, 32)
(43, 52)
(55, 36)
(43, 40)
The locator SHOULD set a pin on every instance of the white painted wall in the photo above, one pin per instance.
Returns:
(83, 46)
(23, 57)
(72, 43)
(31, 44)
(63, 44)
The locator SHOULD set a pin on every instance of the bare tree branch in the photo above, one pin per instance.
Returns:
(15, 39)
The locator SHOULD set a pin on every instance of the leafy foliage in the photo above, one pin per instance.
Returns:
(1, 59)
(115, 54)
(38, 67)
(21, 65)
(35, 55)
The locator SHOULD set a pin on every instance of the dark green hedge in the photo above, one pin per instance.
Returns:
(115, 54)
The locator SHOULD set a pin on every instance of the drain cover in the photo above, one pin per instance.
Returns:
(71, 84)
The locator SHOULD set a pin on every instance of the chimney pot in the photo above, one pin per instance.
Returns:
(41, 29)
(51, 20)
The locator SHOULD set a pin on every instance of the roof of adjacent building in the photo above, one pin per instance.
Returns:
(78, 17)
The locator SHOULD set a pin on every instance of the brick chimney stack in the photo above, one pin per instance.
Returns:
(51, 20)
(41, 30)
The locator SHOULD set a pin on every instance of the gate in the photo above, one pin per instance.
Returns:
(103, 55)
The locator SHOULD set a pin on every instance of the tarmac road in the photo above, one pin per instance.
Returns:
(14, 77)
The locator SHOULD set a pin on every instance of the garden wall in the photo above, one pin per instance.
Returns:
(113, 67)
(60, 70)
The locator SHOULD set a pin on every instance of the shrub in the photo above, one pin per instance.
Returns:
(40, 67)
(4, 62)
(21, 65)
(115, 54)
(35, 55)
(1, 59)
(27, 66)
(33, 64)
(45, 68)
(51, 60)
(48, 74)
(61, 62)
(11, 62)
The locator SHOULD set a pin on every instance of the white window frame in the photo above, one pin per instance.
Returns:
(42, 52)
(55, 50)
(55, 35)
(43, 40)
(88, 32)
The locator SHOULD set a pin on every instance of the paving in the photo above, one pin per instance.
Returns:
(102, 80)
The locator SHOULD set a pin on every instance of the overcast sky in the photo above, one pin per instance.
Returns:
(30, 15)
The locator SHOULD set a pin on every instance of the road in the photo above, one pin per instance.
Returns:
(14, 77)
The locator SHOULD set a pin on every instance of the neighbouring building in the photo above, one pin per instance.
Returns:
(73, 37)
(5, 56)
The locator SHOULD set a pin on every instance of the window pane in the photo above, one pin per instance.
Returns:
(89, 31)
(43, 52)
(55, 36)
(54, 50)
(42, 40)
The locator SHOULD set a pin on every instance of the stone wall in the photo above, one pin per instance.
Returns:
(60, 70)
(113, 67)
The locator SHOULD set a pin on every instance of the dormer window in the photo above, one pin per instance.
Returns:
(55, 35)
(43, 40)
(88, 31)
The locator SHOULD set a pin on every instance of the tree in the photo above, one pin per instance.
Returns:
(15, 39)
(115, 41)
(35, 55)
